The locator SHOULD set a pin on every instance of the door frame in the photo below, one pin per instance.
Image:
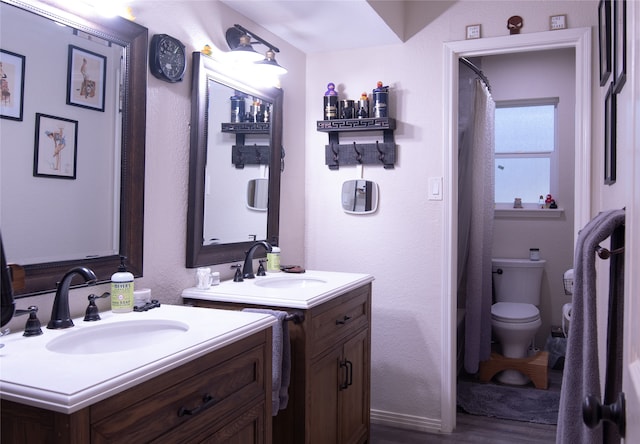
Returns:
(580, 40)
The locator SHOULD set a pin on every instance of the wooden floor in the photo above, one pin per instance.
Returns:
(473, 430)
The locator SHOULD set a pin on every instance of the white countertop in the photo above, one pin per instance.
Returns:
(33, 375)
(322, 287)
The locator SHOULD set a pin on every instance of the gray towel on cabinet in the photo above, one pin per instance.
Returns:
(581, 375)
(281, 359)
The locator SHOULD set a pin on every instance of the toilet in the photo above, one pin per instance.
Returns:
(515, 317)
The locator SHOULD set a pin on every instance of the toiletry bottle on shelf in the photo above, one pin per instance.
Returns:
(330, 111)
(380, 99)
(273, 260)
(363, 106)
(122, 289)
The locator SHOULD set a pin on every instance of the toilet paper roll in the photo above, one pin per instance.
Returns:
(141, 297)
(566, 311)
(566, 318)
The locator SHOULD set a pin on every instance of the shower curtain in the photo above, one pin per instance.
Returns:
(475, 220)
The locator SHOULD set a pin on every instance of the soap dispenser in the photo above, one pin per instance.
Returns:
(122, 289)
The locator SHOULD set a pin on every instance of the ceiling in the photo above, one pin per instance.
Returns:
(328, 25)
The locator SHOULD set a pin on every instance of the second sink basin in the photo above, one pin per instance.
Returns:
(290, 282)
(117, 336)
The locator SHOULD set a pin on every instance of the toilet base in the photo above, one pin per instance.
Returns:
(535, 367)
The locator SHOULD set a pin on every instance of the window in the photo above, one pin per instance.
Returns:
(525, 149)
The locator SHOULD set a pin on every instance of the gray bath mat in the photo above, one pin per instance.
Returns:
(505, 402)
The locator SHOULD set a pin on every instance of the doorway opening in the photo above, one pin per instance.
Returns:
(580, 41)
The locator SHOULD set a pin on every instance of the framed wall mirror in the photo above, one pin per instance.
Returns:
(236, 149)
(84, 96)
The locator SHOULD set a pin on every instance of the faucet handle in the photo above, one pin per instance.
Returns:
(33, 326)
(261, 271)
(238, 276)
(92, 313)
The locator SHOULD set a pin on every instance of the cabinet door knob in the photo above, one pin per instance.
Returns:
(343, 321)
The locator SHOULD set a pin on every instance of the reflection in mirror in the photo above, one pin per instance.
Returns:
(234, 135)
(230, 149)
(359, 196)
(57, 220)
(258, 194)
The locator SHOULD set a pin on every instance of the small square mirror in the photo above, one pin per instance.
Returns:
(359, 196)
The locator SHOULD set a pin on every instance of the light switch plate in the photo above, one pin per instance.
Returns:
(435, 188)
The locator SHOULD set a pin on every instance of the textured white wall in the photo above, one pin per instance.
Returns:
(401, 244)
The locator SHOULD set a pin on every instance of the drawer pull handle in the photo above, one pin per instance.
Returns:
(207, 401)
(348, 376)
(345, 384)
(343, 320)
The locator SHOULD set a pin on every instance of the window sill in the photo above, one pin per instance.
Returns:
(528, 213)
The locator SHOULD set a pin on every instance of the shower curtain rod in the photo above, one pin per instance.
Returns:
(477, 70)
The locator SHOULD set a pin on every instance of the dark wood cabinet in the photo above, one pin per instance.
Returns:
(219, 397)
(329, 394)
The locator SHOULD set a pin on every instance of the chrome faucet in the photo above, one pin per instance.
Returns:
(247, 269)
(60, 316)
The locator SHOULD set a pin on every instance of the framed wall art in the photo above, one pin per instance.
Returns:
(558, 22)
(610, 136)
(473, 32)
(56, 147)
(604, 39)
(619, 44)
(86, 74)
(11, 85)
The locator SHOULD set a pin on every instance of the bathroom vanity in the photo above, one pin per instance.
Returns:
(329, 394)
(206, 377)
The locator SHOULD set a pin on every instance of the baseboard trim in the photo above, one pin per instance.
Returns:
(406, 422)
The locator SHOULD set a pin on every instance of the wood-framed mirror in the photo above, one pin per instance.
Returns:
(227, 153)
(126, 91)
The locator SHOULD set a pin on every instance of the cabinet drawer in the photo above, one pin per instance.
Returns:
(343, 316)
(197, 402)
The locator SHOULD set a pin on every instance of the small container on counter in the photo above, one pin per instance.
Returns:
(122, 290)
(273, 260)
(534, 254)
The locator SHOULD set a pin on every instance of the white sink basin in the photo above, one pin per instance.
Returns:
(290, 282)
(117, 336)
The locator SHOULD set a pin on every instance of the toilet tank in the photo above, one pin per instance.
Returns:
(517, 280)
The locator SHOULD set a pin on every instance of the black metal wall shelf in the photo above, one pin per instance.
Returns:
(379, 153)
(246, 127)
(242, 154)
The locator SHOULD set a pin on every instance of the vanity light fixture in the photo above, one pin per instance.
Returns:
(239, 40)
(270, 65)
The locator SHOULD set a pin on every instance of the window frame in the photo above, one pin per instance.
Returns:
(553, 155)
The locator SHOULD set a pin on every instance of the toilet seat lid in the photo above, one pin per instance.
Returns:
(514, 312)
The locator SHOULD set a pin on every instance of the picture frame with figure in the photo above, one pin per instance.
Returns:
(604, 40)
(11, 85)
(610, 136)
(56, 147)
(619, 44)
(86, 78)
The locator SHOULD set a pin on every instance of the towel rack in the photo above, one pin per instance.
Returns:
(297, 317)
(603, 253)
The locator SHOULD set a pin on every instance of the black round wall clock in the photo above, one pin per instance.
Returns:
(167, 58)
